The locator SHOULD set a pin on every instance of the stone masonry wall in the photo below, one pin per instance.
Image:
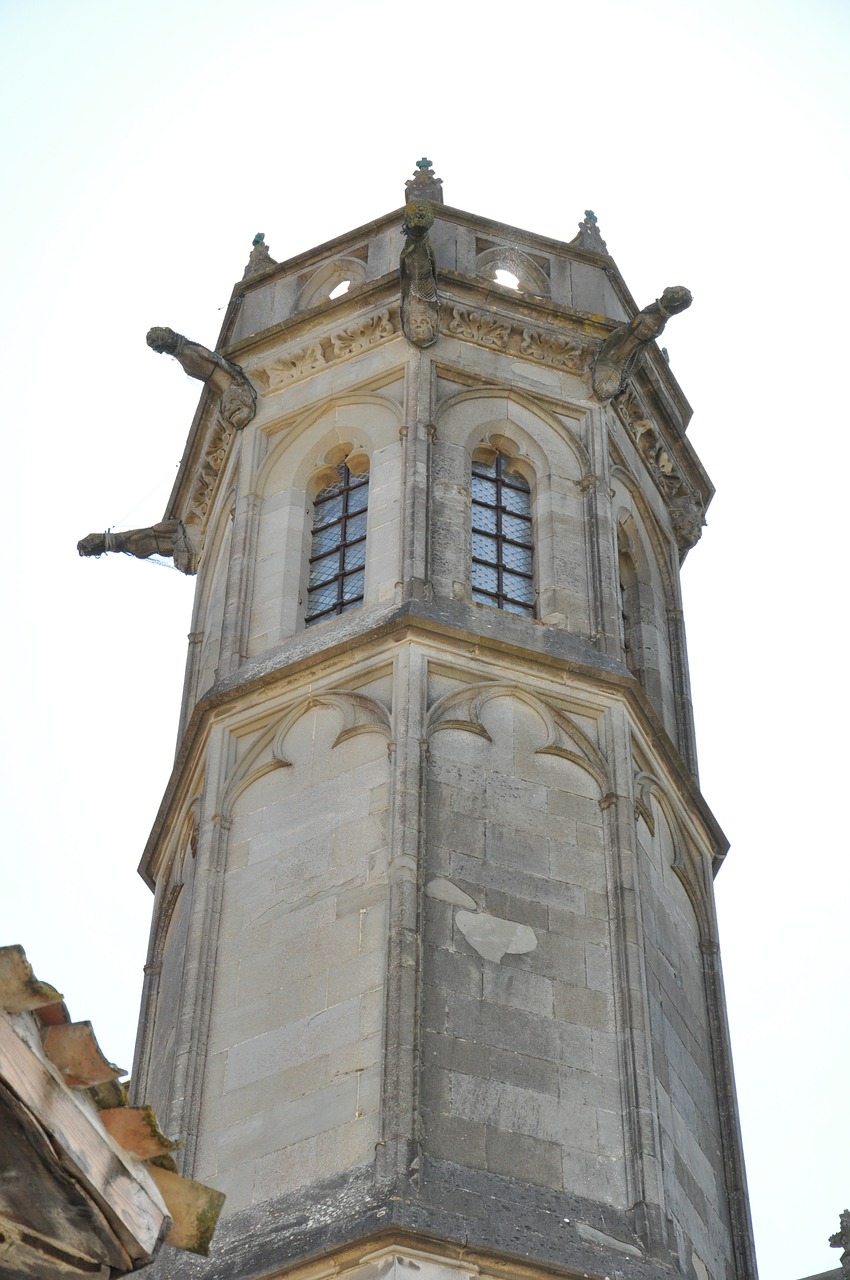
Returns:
(292, 1084)
(520, 1073)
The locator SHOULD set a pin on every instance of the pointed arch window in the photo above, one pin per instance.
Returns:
(502, 546)
(338, 550)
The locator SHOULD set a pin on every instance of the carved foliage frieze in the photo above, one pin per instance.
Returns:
(365, 333)
(274, 375)
(554, 349)
(477, 326)
(540, 346)
(687, 513)
(278, 373)
(208, 471)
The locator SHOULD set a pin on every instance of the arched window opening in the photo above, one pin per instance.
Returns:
(338, 551)
(506, 278)
(502, 546)
(340, 289)
(629, 608)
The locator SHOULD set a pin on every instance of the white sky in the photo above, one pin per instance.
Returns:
(145, 143)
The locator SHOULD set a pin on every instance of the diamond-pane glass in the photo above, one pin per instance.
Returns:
(338, 547)
(331, 508)
(502, 548)
(355, 557)
(483, 518)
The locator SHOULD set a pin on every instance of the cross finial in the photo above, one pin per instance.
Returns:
(423, 185)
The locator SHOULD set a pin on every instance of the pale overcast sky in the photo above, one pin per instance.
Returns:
(145, 144)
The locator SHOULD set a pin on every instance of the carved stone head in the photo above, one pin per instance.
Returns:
(418, 219)
(674, 299)
(163, 340)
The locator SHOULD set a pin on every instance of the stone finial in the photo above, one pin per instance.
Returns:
(260, 259)
(589, 236)
(423, 185)
(841, 1240)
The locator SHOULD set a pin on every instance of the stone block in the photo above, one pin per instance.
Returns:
(516, 849)
(451, 971)
(455, 1139)
(455, 1054)
(510, 906)
(518, 990)
(584, 1007)
(501, 1027)
(355, 976)
(517, 1155)
(521, 1069)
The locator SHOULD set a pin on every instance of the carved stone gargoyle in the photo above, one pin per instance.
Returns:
(420, 311)
(621, 351)
(841, 1240)
(169, 538)
(237, 397)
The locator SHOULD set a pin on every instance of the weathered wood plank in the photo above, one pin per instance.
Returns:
(123, 1190)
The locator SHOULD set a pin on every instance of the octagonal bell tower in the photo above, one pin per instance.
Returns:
(433, 980)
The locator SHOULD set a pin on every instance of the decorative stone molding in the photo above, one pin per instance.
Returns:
(462, 710)
(208, 471)
(554, 349)
(507, 257)
(360, 714)
(478, 326)
(276, 374)
(299, 363)
(539, 346)
(687, 513)
(365, 333)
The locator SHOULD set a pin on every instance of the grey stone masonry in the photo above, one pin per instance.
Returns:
(433, 964)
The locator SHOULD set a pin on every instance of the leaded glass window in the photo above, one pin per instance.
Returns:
(338, 551)
(502, 547)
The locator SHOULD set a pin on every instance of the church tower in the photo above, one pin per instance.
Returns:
(433, 982)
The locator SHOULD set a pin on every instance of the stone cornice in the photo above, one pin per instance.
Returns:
(454, 624)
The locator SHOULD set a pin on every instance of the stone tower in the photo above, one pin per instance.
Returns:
(433, 981)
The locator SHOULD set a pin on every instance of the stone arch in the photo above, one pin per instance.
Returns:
(365, 422)
(505, 257)
(361, 430)
(462, 709)
(645, 606)
(551, 458)
(523, 414)
(687, 864)
(360, 714)
(325, 279)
